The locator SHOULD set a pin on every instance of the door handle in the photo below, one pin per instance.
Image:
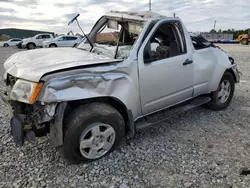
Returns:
(187, 62)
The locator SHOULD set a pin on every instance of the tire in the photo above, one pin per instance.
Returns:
(31, 46)
(6, 45)
(52, 45)
(244, 41)
(217, 103)
(82, 122)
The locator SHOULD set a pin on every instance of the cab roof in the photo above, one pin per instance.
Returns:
(139, 16)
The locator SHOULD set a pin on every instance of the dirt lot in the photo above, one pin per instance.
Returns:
(199, 148)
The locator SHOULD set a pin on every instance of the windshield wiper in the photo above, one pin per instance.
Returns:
(75, 19)
(117, 46)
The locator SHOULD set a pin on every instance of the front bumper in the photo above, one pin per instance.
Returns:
(24, 45)
(16, 121)
(45, 45)
(19, 45)
(28, 121)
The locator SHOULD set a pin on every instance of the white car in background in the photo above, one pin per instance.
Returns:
(12, 42)
(62, 41)
(36, 41)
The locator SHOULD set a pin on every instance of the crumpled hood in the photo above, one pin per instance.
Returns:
(32, 65)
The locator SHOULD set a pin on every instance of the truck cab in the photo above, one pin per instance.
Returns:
(90, 97)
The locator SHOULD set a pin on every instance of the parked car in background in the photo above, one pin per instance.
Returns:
(12, 42)
(62, 41)
(36, 41)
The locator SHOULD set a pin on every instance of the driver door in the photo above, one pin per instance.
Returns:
(39, 40)
(62, 42)
(166, 72)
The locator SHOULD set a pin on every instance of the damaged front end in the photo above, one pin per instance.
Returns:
(28, 121)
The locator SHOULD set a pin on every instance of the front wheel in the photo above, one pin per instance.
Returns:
(244, 41)
(91, 132)
(31, 46)
(222, 97)
(5, 45)
(52, 46)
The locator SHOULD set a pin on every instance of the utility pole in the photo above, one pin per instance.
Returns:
(214, 24)
(149, 5)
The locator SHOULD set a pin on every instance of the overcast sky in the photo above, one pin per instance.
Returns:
(53, 15)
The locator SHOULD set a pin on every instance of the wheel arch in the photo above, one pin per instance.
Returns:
(65, 108)
(229, 70)
(31, 43)
(112, 101)
(52, 44)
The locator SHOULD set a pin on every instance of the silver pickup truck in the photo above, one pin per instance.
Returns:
(90, 97)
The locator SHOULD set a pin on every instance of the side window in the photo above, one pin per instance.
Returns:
(71, 38)
(45, 36)
(39, 37)
(167, 41)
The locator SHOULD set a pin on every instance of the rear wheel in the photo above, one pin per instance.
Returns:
(244, 41)
(222, 97)
(91, 132)
(6, 45)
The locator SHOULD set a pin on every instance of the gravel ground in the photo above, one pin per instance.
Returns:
(199, 148)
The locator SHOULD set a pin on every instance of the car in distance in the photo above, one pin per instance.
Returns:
(12, 42)
(91, 96)
(62, 41)
(36, 41)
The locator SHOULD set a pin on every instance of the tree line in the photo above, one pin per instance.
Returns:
(236, 33)
(4, 37)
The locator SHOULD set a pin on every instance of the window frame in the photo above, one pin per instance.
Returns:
(72, 38)
(15, 40)
(38, 37)
(179, 35)
(46, 37)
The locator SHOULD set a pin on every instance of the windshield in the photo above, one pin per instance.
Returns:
(114, 39)
(58, 37)
(200, 42)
